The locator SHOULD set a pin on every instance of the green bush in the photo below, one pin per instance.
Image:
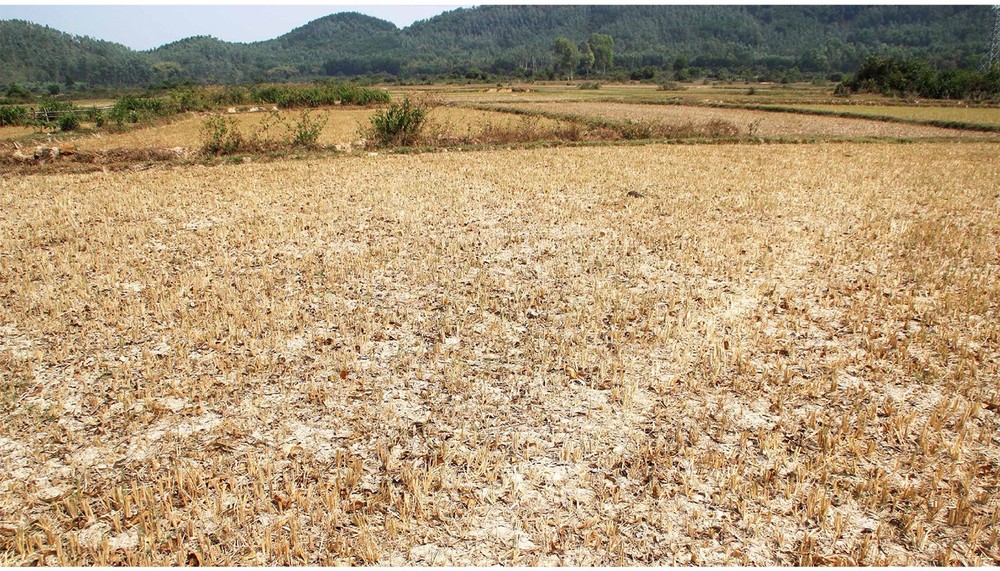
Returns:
(286, 96)
(133, 109)
(50, 110)
(13, 115)
(305, 132)
(69, 122)
(221, 136)
(889, 76)
(399, 124)
(671, 86)
(590, 85)
(18, 92)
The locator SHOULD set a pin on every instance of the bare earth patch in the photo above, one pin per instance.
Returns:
(651, 356)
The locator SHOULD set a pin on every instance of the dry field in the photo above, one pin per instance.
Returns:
(10, 132)
(974, 115)
(766, 123)
(801, 93)
(692, 93)
(756, 354)
(342, 126)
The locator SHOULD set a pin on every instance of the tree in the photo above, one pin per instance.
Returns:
(603, 46)
(168, 69)
(586, 59)
(18, 92)
(567, 56)
(680, 67)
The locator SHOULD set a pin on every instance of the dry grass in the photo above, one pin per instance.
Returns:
(694, 93)
(654, 355)
(9, 132)
(765, 123)
(972, 115)
(341, 128)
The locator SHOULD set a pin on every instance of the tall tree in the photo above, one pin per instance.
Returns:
(567, 56)
(603, 47)
(586, 59)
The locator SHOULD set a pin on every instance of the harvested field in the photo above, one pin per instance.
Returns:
(755, 354)
(989, 116)
(342, 127)
(14, 131)
(769, 124)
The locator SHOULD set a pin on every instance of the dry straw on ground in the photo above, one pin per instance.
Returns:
(989, 116)
(657, 355)
(341, 127)
(767, 123)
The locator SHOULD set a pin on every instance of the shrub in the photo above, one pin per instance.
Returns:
(671, 86)
(286, 96)
(635, 129)
(221, 136)
(890, 76)
(50, 110)
(18, 92)
(133, 109)
(69, 122)
(305, 133)
(399, 124)
(13, 115)
(590, 85)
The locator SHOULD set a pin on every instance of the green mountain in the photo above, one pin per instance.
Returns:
(30, 53)
(518, 40)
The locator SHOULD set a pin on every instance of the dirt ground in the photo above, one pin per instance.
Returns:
(657, 355)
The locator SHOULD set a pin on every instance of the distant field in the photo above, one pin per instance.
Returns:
(765, 123)
(973, 115)
(801, 93)
(619, 355)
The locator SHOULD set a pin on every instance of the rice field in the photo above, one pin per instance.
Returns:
(342, 126)
(763, 123)
(655, 355)
(989, 116)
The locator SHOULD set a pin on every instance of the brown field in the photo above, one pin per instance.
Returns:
(341, 128)
(694, 93)
(655, 355)
(989, 116)
(14, 132)
(767, 123)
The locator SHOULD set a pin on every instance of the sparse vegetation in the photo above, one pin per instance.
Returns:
(306, 131)
(222, 136)
(400, 124)
(671, 86)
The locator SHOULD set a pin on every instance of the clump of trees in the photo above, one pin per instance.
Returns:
(906, 77)
(597, 54)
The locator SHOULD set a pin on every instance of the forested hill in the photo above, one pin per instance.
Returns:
(518, 41)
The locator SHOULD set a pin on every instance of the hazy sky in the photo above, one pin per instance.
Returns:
(146, 26)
